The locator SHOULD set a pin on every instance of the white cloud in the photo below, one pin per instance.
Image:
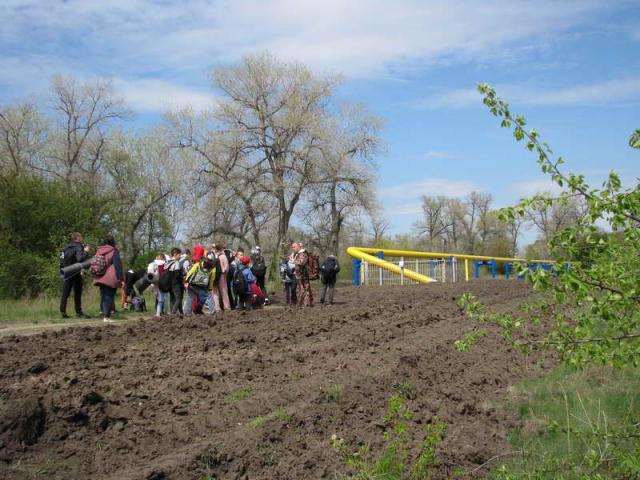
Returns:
(158, 96)
(624, 90)
(410, 209)
(357, 38)
(415, 189)
(535, 187)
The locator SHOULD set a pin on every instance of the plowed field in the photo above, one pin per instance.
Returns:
(257, 395)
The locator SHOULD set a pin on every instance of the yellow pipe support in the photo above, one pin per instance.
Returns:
(364, 253)
(359, 253)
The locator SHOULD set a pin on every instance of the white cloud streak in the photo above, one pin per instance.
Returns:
(157, 95)
(175, 41)
(535, 187)
(415, 189)
(409, 209)
(616, 91)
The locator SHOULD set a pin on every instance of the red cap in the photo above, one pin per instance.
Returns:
(246, 260)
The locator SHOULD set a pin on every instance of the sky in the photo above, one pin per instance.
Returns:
(572, 68)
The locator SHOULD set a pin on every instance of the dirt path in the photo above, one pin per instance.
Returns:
(253, 396)
(34, 329)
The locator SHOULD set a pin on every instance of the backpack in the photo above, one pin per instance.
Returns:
(330, 268)
(98, 266)
(138, 304)
(259, 266)
(240, 284)
(313, 268)
(165, 280)
(201, 277)
(216, 264)
(229, 254)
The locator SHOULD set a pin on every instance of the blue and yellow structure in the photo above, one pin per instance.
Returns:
(470, 263)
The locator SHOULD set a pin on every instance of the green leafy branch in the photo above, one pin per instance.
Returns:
(592, 295)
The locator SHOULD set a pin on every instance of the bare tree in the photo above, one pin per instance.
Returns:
(225, 172)
(278, 110)
(83, 113)
(550, 220)
(454, 218)
(477, 204)
(514, 227)
(379, 226)
(435, 222)
(142, 177)
(23, 135)
(344, 179)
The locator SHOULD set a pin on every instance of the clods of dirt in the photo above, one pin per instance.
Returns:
(258, 395)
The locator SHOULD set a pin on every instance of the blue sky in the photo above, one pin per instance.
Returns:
(571, 67)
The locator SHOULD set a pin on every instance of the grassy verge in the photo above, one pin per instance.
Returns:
(577, 425)
(45, 308)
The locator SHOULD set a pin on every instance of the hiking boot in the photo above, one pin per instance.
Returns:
(64, 315)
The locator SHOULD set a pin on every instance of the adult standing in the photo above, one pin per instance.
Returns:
(329, 273)
(220, 293)
(108, 275)
(301, 260)
(74, 252)
(177, 280)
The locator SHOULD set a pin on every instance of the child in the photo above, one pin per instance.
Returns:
(288, 280)
(154, 270)
(198, 282)
(242, 280)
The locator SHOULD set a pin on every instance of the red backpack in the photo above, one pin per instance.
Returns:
(98, 266)
(313, 266)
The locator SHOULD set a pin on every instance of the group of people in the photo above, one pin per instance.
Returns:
(202, 281)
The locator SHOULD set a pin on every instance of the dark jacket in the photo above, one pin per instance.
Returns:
(71, 254)
(113, 277)
(329, 269)
(258, 264)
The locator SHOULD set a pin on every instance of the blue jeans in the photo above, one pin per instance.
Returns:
(107, 294)
(191, 293)
(163, 300)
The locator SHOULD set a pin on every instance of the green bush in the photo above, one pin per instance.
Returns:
(36, 218)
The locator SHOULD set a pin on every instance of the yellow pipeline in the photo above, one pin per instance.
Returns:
(364, 253)
(406, 253)
(357, 252)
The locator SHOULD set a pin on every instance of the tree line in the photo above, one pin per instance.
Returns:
(470, 225)
(275, 157)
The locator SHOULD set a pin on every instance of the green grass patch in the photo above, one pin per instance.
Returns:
(239, 395)
(278, 414)
(282, 415)
(257, 422)
(334, 392)
(577, 425)
(45, 308)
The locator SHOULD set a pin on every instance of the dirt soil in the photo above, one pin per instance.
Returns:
(257, 395)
